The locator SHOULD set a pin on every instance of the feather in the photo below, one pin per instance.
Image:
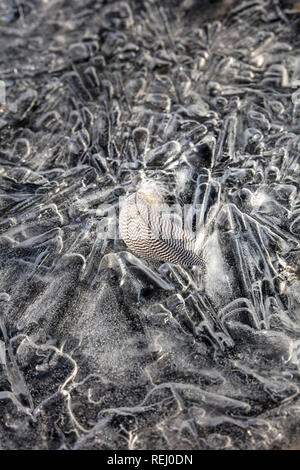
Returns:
(147, 230)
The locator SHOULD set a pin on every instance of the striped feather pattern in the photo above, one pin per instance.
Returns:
(148, 231)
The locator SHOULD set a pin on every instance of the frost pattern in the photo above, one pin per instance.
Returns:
(98, 348)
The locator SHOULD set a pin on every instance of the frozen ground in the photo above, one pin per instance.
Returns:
(100, 349)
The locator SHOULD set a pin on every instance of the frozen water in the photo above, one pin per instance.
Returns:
(101, 349)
